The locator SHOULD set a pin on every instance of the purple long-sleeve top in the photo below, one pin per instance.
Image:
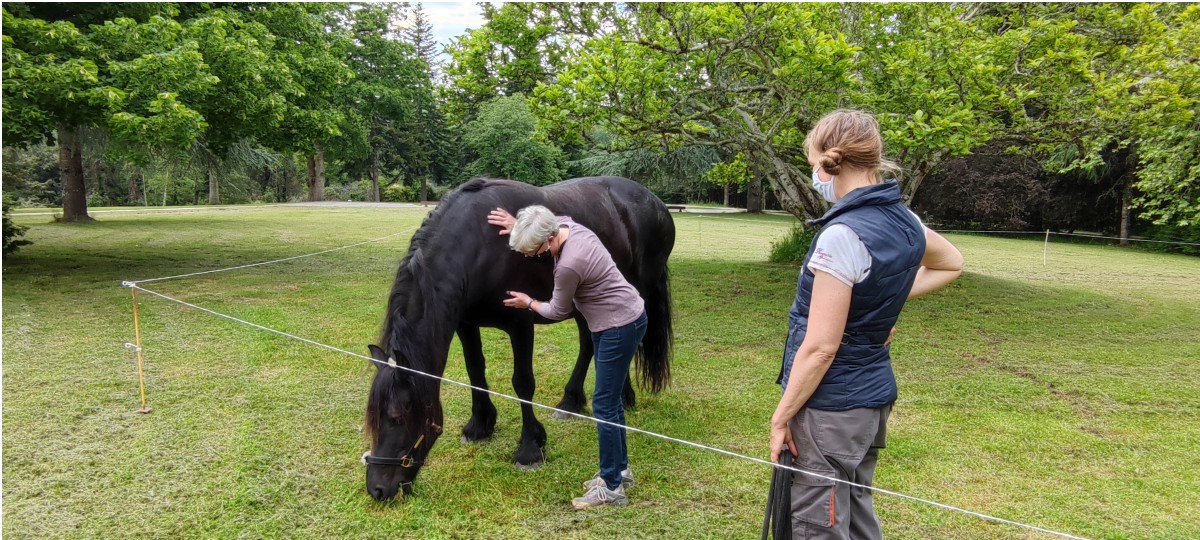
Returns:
(587, 279)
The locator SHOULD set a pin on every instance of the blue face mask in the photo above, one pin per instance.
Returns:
(824, 188)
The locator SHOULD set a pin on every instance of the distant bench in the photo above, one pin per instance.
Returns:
(676, 207)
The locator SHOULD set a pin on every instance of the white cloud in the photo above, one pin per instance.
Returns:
(452, 19)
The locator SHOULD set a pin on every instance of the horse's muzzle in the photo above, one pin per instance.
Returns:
(382, 493)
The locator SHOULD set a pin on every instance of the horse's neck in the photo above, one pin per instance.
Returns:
(429, 327)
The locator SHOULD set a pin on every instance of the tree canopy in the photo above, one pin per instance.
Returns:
(686, 97)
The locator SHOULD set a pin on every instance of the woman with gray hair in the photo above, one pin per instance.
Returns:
(585, 278)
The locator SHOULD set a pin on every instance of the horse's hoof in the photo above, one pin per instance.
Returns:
(530, 467)
(465, 440)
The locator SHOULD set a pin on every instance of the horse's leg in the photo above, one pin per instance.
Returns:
(483, 414)
(531, 449)
(574, 399)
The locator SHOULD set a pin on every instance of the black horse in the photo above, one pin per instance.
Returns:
(454, 278)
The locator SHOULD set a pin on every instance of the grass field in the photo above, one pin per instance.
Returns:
(1063, 396)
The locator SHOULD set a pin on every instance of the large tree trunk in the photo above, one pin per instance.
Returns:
(70, 170)
(214, 187)
(374, 173)
(790, 185)
(316, 175)
(425, 188)
(754, 196)
(728, 188)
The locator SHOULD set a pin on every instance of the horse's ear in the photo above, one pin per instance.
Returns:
(379, 356)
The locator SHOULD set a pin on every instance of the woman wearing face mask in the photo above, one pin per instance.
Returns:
(870, 255)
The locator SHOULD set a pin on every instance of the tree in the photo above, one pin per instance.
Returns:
(505, 142)
(734, 174)
(31, 175)
(1096, 82)
(13, 233)
(253, 96)
(753, 78)
(420, 35)
(674, 176)
(1167, 115)
(134, 78)
(521, 46)
(312, 46)
(387, 101)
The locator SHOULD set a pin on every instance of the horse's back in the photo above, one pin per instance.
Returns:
(629, 219)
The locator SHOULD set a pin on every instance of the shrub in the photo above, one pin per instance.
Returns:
(13, 233)
(793, 247)
(400, 193)
(1171, 238)
(350, 191)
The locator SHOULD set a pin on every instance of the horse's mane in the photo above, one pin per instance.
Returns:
(418, 299)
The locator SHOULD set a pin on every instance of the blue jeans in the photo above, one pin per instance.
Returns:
(614, 352)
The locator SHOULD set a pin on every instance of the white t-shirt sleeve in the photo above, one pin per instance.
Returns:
(841, 254)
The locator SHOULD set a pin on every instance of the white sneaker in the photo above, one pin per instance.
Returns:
(600, 496)
(626, 480)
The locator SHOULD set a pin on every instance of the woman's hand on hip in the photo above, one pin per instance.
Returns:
(500, 217)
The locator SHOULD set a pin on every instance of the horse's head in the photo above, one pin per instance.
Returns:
(404, 419)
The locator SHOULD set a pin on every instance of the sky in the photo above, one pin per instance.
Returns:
(452, 19)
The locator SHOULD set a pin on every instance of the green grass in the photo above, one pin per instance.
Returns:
(1061, 395)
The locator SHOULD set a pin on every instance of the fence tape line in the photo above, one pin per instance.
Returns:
(965, 231)
(134, 285)
(1052, 233)
(723, 218)
(260, 263)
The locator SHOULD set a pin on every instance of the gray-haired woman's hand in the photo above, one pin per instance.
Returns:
(518, 300)
(501, 218)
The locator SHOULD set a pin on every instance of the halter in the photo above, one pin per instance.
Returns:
(405, 458)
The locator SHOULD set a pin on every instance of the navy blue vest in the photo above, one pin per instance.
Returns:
(861, 373)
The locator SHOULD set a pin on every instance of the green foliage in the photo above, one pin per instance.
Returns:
(13, 233)
(675, 176)
(753, 78)
(140, 79)
(153, 82)
(410, 193)
(506, 143)
(1170, 238)
(1096, 79)
(50, 78)
(31, 175)
(392, 124)
(731, 173)
(399, 192)
(522, 45)
(793, 247)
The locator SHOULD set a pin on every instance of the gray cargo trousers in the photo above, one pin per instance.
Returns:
(843, 445)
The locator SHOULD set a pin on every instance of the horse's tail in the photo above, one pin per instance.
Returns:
(654, 356)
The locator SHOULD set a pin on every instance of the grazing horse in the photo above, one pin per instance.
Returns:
(454, 279)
